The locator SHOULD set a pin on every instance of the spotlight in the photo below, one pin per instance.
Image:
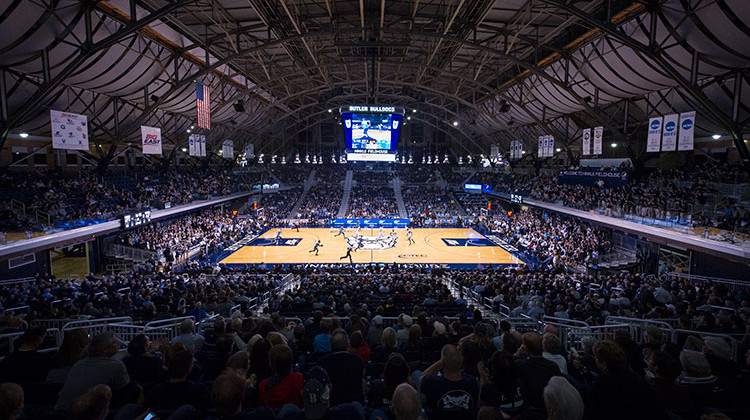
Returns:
(613, 145)
(192, 127)
(413, 111)
(24, 135)
(330, 110)
(455, 123)
(184, 149)
(188, 130)
(558, 150)
(715, 136)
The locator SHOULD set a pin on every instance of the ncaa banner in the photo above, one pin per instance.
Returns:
(541, 147)
(687, 131)
(227, 149)
(653, 143)
(586, 147)
(192, 145)
(669, 133)
(545, 151)
(551, 146)
(151, 140)
(69, 131)
(598, 133)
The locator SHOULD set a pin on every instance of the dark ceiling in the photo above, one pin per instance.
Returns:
(505, 69)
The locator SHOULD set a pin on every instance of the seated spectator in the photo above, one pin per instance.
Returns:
(358, 346)
(322, 341)
(395, 372)
(215, 360)
(93, 405)
(562, 400)
(534, 371)
(178, 390)
(375, 331)
(95, 369)
(192, 341)
(27, 365)
(284, 386)
(666, 369)
(453, 395)
(144, 369)
(346, 370)
(697, 379)
(617, 388)
(406, 403)
(317, 394)
(11, 400)
(500, 384)
(227, 395)
(388, 345)
(552, 347)
(71, 351)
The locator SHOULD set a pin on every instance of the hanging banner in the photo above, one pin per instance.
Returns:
(591, 177)
(653, 143)
(551, 146)
(227, 149)
(669, 134)
(69, 131)
(202, 151)
(250, 151)
(192, 145)
(586, 150)
(598, 133)
(541, 147)
(687, 131)
(494, 150)
(151, 140)
(545, 152)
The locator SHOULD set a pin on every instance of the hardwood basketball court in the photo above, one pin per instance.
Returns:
(432, 246)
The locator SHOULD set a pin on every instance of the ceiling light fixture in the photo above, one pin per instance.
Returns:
(24, 135)
(716, 136)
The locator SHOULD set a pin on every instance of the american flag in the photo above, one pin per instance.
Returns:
(203, 102)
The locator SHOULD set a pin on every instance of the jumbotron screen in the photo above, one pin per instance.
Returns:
(371, 132)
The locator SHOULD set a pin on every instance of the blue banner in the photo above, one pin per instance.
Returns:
(468, 242)
(370, 223)
(611, 179)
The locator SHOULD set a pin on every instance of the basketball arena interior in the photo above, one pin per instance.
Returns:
(374, 209)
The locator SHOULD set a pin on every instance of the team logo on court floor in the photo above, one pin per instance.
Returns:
(274, 242)
(372, 243)
(467, 242)
(412, 256)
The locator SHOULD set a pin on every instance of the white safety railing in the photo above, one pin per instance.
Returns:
(95, 325)
(17, 281)
(8, 341)
(695, 279)
(639, 325)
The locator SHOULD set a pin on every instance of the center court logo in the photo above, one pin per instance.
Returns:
(372, 243)
(412, 256)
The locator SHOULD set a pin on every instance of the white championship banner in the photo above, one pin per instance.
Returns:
(551, 146)
(540, 152)
(202, 151)
(586, 146)
(669, 133)
(653, 143)
(151, 140)
(227, 149)
(69, 131)
(687, 131)
(598, 133)
(192, 146)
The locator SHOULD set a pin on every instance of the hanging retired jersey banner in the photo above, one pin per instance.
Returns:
(193, 146)
(669, 133)
(69, 131)
(687, 130)
(151, 140)
(541, 147)
(653, 142)
(598, 133)
(202, 144)
(586, 150)
(227, 149)
(551, 146)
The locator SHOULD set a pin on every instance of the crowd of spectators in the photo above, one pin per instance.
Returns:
(372, 202)
(416, 174)
(389, 342)
(321, 203)
(429, 205)
(554, 240)
(212, 230)
(66, 199)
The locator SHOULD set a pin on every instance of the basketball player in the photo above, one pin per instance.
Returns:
(380, 233)
(341, 232)
(409, 236)
(360, 243)
(277, 240)
(348, 254)
(315, 247)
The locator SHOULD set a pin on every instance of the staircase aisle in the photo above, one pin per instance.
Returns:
(347, 194)
(309, 182)
(402, 213)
